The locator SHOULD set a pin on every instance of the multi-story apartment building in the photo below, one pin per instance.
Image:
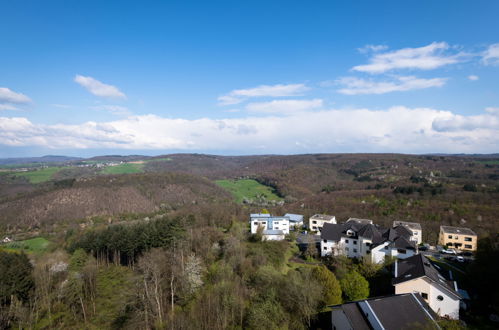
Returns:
(317, 221)
(458, 238)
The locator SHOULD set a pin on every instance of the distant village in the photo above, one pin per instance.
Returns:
(421, 291)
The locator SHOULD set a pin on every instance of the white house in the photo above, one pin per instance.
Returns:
(295, 220)
(417, 232)
(356, 240)
(274, 228)
(417, 274)
(317, 221)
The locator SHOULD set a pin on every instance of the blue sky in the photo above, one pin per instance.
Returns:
(255, 77)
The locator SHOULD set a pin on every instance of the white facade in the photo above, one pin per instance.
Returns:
(440, 301)
(273, 228)
(316, 222)
(361, 247)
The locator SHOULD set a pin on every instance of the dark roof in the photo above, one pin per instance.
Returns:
(457, 230)
(403, 243)
(404, 311)
(332, 231)
(355, 316)
(419, 266)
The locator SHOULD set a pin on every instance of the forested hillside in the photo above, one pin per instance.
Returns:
(169, 248)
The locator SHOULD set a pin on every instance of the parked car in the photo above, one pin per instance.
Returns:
(460, 259)
(449, 251)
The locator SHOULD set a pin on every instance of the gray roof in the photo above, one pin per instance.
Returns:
(294, 217)
(419, 266)
(404, 311)
(362, 221)
(411, 225)
(259, 215)
(322, 217)
(273, 232)
(457, 230)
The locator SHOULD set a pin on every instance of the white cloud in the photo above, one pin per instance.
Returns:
(397, 129)
(114, 109)
(491, 55)
(356, 86)
(453, 122)
(9, 96)
(98, 88)
(7, 107)
(473, 77)
(284, 106)
(428, 57)
(240, 95)
(372, 48)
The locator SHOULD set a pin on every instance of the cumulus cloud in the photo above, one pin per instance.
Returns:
(98, 88)
(397, 129)
(114, 109)
(491, 55)
(356, 86)
(284, 106)
(9, 96)
(473, 77)
(427, 57)
(455, 123)
(240, 95)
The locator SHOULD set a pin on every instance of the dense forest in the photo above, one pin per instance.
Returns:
(168, 248)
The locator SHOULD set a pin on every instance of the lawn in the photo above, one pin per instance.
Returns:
(33, 245)
(41, 175)
(247, 188)
(126, 168)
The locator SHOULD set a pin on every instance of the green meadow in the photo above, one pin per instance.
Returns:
(247, 188)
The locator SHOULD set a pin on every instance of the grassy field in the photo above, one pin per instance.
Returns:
(167, 159)
(41, 175)
(127, 168)
(33, 245)
(250, 189)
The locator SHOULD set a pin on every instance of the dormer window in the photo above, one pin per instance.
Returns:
(350, 233)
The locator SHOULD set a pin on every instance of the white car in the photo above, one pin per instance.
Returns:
(460, 259)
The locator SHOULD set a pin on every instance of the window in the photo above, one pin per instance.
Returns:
(314, 222)
(456, 237)
(346, 241)
(440, 298)
(467, 246)
(355, 250)
(368, 244)
(325, 241)
(386, 247)
(424, 295)
(467, 239)
(450, 236)
(355, 242)
(368, 252)
(325, 248)
(402, 251)
(415, 233)
(346, 249)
